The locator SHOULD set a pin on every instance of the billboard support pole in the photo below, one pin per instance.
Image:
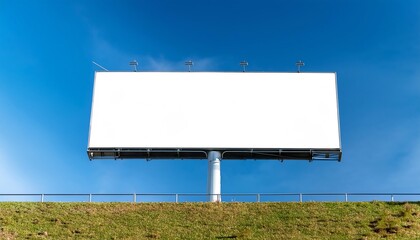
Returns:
(213, 177)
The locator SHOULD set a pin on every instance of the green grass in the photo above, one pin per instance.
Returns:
(309, 220)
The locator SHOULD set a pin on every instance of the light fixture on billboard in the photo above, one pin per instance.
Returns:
(299, 64)
(244, 64)
(189, 63)
(134, 63)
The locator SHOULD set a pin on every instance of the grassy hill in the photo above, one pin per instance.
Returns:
(308, 220)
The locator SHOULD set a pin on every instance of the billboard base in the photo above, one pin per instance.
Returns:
(214, 177)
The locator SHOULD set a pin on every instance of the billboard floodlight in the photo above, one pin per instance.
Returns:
(134, 63)
(189, 63)
(244, 64)
(299, 64)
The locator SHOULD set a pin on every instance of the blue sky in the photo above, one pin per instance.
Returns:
(46, 80)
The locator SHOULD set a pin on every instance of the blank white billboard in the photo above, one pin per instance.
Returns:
(214, 110)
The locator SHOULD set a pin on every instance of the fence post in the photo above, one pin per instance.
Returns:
(90, 197)
(134, 198)
(346, 197)
(42, 197)
(392, 198)
(258, 197)
(300, 197)
(176, 198)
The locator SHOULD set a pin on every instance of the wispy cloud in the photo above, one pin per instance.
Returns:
(102, 50)
(116, 59)
(106, 54)
(162, 64)
(11, 179)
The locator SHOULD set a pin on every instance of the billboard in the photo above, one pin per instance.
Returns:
(242, 114)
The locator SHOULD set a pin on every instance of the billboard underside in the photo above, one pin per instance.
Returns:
(156, 115)
(273, 154)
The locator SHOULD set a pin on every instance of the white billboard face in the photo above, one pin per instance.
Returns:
(214, 110)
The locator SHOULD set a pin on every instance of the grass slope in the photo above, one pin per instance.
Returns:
(310, 220)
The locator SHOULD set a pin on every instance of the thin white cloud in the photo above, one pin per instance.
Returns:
(162, 64)
(106, 54)
(205, 64)
(11, 179)
(114, 59)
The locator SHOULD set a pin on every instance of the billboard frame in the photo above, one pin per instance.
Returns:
(321, 154)
(230, 154)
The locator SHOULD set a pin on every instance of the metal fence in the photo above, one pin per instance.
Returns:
(226, 197)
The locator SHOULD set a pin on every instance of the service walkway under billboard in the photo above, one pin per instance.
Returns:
(243, 115)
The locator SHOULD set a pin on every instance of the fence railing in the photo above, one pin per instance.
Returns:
(198, 197)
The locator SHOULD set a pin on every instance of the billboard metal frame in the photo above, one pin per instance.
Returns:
(231, 154)
(328, 154)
